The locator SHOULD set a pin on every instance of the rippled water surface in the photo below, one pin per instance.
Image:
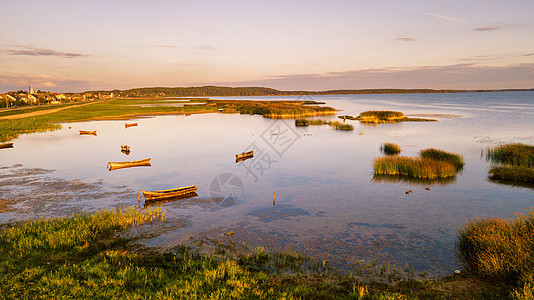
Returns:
(327, 203)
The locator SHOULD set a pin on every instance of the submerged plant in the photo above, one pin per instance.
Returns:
(390, 149)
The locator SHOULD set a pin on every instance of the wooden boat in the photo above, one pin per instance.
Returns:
(88, 132)
(125, 147)
(6, 145)
(244, 155)
(177, 193)
(128, 164)
(126, 125)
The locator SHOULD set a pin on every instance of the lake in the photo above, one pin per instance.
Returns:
(327, 203)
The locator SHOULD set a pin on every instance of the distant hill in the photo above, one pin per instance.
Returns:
(205, 91)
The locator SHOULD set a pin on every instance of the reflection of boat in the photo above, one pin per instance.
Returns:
(413, 180)
(126, 125)
(6, 145)
(177, 193)
(244, 155)
(128, 164)
(88, 132)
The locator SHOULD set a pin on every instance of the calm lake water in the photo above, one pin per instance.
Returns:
(328, 204)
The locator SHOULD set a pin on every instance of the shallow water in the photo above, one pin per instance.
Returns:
(327, 203)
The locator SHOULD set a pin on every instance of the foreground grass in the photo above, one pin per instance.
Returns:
(83, 257)
(130, 108)
(501, 250)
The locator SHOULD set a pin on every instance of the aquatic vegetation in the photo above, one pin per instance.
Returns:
(518, 174)
(413, 166)
(307, 122)
(516, 155)
(501, 250)
(384, 116)
(390, 149)
(341, 126)
(456, 159)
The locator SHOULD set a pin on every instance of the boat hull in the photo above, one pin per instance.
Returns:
(6, 145)
(85, 132)
(243, 155)
(183, 192)
(129, 164)
(126, 125)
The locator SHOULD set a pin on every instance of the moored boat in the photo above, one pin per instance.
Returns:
(128, 164)
(6, 145)
(88, 132)
(244, 155)
(182, 192)
(126, 125)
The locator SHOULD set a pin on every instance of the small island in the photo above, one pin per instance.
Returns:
(384, 116)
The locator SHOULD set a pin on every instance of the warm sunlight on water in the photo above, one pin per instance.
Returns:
(327, 203)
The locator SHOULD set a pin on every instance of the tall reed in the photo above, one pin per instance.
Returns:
(516, 155)
(413, 166)
(390, 148)
(456, 159)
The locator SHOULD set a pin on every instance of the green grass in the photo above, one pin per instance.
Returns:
(518, 174)
(390, 149)
(514, 155)
(127, 108)
(434, 154)
(501, 250)
(85, 257)
(413, 166)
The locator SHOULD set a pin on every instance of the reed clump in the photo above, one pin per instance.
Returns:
(500, 250)
(308, 122)
(413, 166)
(390, 148)
(518, 174)
(385, 116)
(515, 155)
(434, 154)
(340, 126)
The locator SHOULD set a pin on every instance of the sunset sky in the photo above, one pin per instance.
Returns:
(74, 45)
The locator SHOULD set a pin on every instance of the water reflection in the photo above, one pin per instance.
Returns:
(379, 178)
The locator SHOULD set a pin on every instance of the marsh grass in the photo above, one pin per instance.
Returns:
(308, 122)
(517, 174)
(390, 149)
(500, 250)
(127, 108)
(340, 126)
(413, 166)
(514, 155)
(385, 116)
(439, 155)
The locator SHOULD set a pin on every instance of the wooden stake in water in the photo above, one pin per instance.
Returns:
(274, 199)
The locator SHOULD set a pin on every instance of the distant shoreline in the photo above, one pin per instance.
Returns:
(219, 91)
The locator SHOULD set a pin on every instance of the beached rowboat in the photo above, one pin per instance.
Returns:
(167, 194)
(128, 164)
(126, 125)
(244, 155)
(6, 145)
(88, 132)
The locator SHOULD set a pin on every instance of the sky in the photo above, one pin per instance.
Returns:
(81, 45)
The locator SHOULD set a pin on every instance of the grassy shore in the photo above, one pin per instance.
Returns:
(85, 256)
(501, 250)
(135, 107)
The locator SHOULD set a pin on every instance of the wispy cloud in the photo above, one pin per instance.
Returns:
(529, 54)
(32, 51)
(458, 76)
(446, 18)
(489, 28)
(405, 39)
